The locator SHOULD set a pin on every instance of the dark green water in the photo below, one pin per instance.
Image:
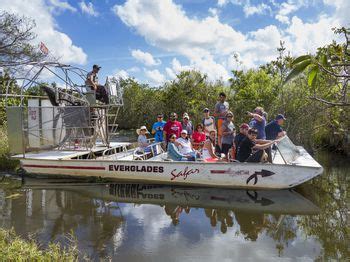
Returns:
(127, 222)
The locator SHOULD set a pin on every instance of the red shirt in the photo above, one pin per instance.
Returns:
(198, 137)
(172, 128)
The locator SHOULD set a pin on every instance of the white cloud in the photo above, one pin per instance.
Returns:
(134, 69)
(222, 2)
(88, 8)
(155, 77)
(121, 74)
(213, 11)
(307, 37)
(285, 10)
(60, 45)
(62, 5)
(260, 9)
(209, 44)
(342, 8)
(145, 58)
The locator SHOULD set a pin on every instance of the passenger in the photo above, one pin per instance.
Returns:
(172, 127)
(258, 122)
(243, 132)
(228, 132)
(274, 131)
(221, 109)
(92, 82)
(245, 149)
(208, 122)
(198, 137)
(173, 151)
(142, 139)
(208, 152)
(157, 129)
(185, 146)
(187, 124)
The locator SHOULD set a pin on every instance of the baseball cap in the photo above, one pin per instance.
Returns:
(184, 131)
(96, 66)
(245, 126)
(206, 109)
(280, 116)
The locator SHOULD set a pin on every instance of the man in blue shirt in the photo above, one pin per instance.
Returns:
(273, 129)
(157, 128)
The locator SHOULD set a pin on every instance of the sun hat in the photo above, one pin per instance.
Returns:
(142, 128)
(229, 113)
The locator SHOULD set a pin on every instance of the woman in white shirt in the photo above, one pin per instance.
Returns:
(185, 146)
(208, 153)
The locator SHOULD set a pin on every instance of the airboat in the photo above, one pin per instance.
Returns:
(68, 132)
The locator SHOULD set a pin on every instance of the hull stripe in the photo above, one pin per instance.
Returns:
(218, 171)
(67, 167)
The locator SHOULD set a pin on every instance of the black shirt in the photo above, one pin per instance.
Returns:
(238, 139)
(245, 149)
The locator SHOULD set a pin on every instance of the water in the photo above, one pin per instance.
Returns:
(156, 223)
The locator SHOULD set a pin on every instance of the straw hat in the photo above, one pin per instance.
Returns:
(142, 128)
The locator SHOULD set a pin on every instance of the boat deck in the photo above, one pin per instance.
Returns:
(69, 154)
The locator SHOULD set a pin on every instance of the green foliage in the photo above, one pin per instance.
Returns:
(5, 162)
(251, 89)
(300, 64)
(190, 92)
(13, 248)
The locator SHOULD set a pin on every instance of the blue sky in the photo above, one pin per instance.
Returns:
(152, 40)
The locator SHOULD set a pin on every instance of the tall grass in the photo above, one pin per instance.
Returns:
(6, 163)
(14, 248)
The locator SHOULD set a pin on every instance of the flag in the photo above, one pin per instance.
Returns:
(43, 48)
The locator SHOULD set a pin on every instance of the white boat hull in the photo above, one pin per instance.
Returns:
(234, 175)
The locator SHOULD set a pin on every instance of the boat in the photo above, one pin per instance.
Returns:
(273, 202)
(69, 133)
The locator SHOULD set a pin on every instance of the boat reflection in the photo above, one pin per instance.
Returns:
(100, 215)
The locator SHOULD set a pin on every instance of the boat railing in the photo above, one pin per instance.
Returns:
(287, 150)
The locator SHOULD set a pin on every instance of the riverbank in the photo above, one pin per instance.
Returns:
(14, 248)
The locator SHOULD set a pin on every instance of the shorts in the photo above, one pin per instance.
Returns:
(225, 148)
(220, 121)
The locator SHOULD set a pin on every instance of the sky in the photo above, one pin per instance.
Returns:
(153, 40)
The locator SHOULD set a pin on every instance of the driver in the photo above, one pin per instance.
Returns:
(92, 82)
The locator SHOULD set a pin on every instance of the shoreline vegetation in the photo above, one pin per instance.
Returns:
(15, 248)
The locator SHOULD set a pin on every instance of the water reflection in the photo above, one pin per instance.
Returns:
(105, 218)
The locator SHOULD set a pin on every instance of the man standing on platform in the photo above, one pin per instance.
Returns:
(221, 109)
